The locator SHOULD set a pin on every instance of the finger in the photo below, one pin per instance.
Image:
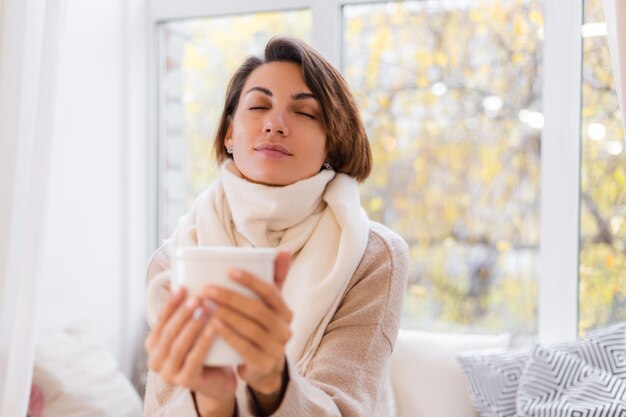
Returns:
(170, 307)
(183, 343)
(251, 330)
(268, 292)
(254, 309)
(281, 267)
(194, 361)
(171, 329)
(251, 355)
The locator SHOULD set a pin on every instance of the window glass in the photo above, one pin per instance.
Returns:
(198, 57)
(602, 286)
(451, 97)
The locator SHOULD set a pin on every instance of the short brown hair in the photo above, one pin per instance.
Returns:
(347, 144)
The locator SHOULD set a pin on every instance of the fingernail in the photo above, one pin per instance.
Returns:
(198, 313)
(235, 274)
(191, 303)
(210, 306)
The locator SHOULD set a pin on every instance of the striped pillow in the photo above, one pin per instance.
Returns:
(557, 384)
(493, 380)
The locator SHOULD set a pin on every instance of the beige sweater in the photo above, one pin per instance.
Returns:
(348, 374)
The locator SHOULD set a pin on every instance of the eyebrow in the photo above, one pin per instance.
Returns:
(297, 96)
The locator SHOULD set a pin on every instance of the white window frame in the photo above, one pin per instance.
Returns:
(560, 149)
(560, 172)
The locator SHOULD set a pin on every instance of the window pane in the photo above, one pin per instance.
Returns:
(603, 188)
(451, 97)
(197, 59)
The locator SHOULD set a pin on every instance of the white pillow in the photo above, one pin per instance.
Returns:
(427, 379)
(80, 378)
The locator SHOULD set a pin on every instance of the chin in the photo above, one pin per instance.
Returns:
(266, 178)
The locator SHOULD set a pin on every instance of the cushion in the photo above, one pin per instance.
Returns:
(425, 375)
(604, 349)
(79, 377)
(35, 402)
(493, 380)
(558, 384)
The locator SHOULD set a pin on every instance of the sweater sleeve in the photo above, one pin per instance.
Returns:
(165, 400)
(347, 375)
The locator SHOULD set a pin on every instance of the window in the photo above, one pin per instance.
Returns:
(603, 184)
(451, 96)
(475, 120)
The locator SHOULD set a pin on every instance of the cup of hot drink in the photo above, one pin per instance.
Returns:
(194, 267)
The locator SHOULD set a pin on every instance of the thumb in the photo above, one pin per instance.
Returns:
(281, 267)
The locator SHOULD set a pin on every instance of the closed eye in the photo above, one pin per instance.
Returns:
(310, 116)
(258, 108)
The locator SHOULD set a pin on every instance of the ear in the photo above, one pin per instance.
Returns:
(228, 138)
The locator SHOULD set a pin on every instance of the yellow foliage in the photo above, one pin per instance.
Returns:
(419, 165)
(418, 291)
(423, 58)
(422, 81)
(441, 58)
(450, 213)
(498, 15)
(519, 26)
(431, 127)
(371, 73)
(454, 60)
(355, 25)
(384, 100)
(192, 108)
(193, 60)
(490, 164)
(503, 246)
(500, 86)
(375, 204)
(536, 17)
(620, 177)
(429, 99)
(476, 16)
(399, 16)
(381, 40)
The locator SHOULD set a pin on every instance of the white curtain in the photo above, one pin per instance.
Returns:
(29, 49)
(615, 15)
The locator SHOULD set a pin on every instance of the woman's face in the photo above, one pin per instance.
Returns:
(276, 132)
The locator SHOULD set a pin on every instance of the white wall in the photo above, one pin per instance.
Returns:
(95, 245)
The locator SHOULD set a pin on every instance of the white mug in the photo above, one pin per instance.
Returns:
(194, 267)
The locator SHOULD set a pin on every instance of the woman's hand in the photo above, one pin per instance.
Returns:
(258, 329)
(177, 346)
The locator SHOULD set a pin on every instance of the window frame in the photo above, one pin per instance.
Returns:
(560, 141)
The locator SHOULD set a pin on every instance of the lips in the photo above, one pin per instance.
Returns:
(273, 149)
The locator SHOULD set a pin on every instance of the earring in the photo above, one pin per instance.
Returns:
(229, 150)
(327, 165)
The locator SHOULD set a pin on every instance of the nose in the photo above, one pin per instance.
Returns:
(275, 124)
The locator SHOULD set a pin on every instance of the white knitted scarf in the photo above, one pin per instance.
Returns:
(319, 220)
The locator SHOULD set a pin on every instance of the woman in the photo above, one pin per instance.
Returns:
(292, 148)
